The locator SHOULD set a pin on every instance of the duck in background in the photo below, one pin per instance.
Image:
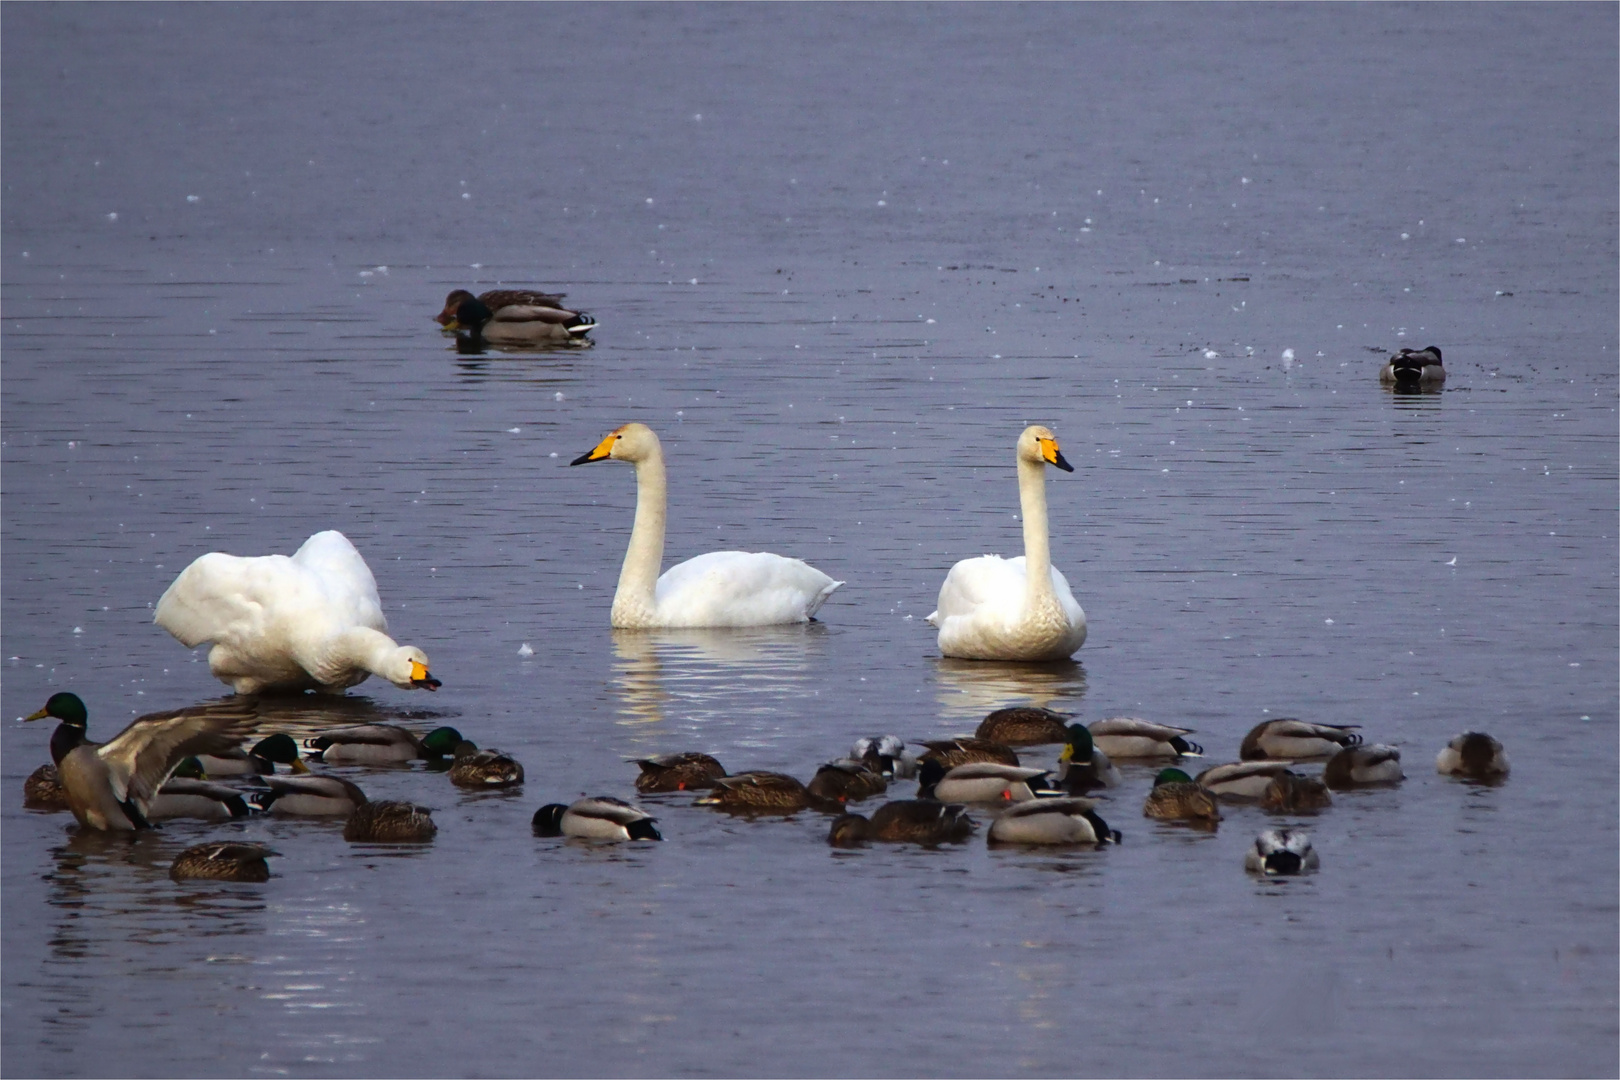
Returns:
(514, 317)
(599, 818)
(1473, 755)
(907, 821)
(1281, 852)
(1414, 369)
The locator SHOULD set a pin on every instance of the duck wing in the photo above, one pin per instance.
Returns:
(141, 757)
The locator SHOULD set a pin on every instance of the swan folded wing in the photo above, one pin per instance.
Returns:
(141, 757)
(344, 580)
(219, 596)
(976, 583)
(741, 588)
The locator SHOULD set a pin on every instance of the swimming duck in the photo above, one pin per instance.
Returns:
(1474, 755)
(1052, 821)
(1414, 369)
(981, 782)
(1176, 797)
(846, 780)
(764, 792)
(111, 785)
(906, 821)
(308, 796)
(885, 755)
(1288, 739)
(1363, 766)
(389, 822)
(188, 794)
(513, 317)
(477, 768)
(43, 790)
(599, 818)
(965, 750)
(1024, 725)
(261, 760)
(1128, 737)
(1082, 766)
(687, 771)
(380, 744)
(1240, 779)
(230, 861)
(1281, 851)
(1290, 793)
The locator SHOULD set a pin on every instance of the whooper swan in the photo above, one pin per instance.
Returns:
(312, 621)
(721, 588)
(992, 608)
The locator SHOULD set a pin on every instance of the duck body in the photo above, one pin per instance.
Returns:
(1082, 765)
(1281, 852)
(1052, 821)
(390, 822)
(601, 818)
(1290, 793)
(906, 821)
(1474, 755)
(953, 752)
(1292, 740)
(379, 744)
(1024, 725)
(308, 796)
(846, 780)
(260, 760)
(1363, 766)
(43, 790)
(992, 608)
(686, 771)
(885, 755)
(1175, 797)
(183, 797)
(309, 621)
(1240, 780)
(1128, 737)
(233, 861)
(1414, 369)
(981, 782)
(514, 317)
(763, 792)
(718, 589)
(475, 768)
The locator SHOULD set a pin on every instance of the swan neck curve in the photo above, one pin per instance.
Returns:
(1037, 546)
(358, 649)
(636, 597)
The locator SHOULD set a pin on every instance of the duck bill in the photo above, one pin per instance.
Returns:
(41, 715)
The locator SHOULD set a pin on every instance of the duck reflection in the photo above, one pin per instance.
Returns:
(969, 690)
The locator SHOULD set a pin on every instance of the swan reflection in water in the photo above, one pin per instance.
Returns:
(969, 690)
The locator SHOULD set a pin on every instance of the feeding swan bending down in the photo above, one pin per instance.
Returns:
(992, 608)
(722, 588)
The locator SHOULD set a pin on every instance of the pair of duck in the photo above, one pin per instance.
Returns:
(513, 317)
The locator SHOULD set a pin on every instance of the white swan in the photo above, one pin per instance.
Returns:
(721, 588)
(992, 608)
(312, 621)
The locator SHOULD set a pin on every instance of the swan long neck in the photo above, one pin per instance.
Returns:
(357, 648)
(1037, 546)
(638, 579)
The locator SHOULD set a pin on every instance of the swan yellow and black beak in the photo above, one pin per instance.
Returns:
(1054, 456)
(421, 679)
(600, 453)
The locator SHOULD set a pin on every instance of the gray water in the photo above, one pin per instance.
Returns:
(840, 257)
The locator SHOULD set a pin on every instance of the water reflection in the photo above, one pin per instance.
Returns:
(971, 689)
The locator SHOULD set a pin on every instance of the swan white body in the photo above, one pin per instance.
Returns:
(721, 588)
(309, 621)
(992, 608)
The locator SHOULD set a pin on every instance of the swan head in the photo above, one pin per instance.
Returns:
(1037, 444)
(632, 442)
(407, 668)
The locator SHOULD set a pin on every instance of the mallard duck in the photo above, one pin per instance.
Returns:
(1052, 821)
(1281, 851)
(43, 790)
(230, 861)
(477, 768)
(389, 822)
(1082, 766)
(261, 760)
(1024, 725)
(380, 744)
(1475, 755)
(1288, 740)
(1128, 737)
(686, 771)
(907, 821)
(1363, 766)
(1290, 793)
(111, 785)
(513, 317)
(600, 818)
(1414, 369)
(846, 780)
(308, 796)
(188, 794)
(981, 782)
(764, 792)
(1240, 779)
(312, 621)
(1176, 797)
(885, 755)
(965, 750)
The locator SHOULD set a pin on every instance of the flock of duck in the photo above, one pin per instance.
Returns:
(314, 621)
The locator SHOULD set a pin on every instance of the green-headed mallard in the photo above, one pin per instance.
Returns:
(1363, 766)
(906, 821)
(229, 861)
(1052, 821)
(43, 790)
(1240, 779)
(1175, 797)
(389, 822)
(1474, 755)
(475, 768)
(965, 750)
(1281, 851)
(261, 760)
(380, 744)
(311, 795)
(1290, 740)
(846, 780)
(1082, 766)
(763, 792)
(1024, 725)
(1414, 369)
(1128, 737)
(111, 785)
(599, 818)
(885, 755)
(1290, 793)
(685, 771)
(187, 793)
(981, 782)
(513, 317)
